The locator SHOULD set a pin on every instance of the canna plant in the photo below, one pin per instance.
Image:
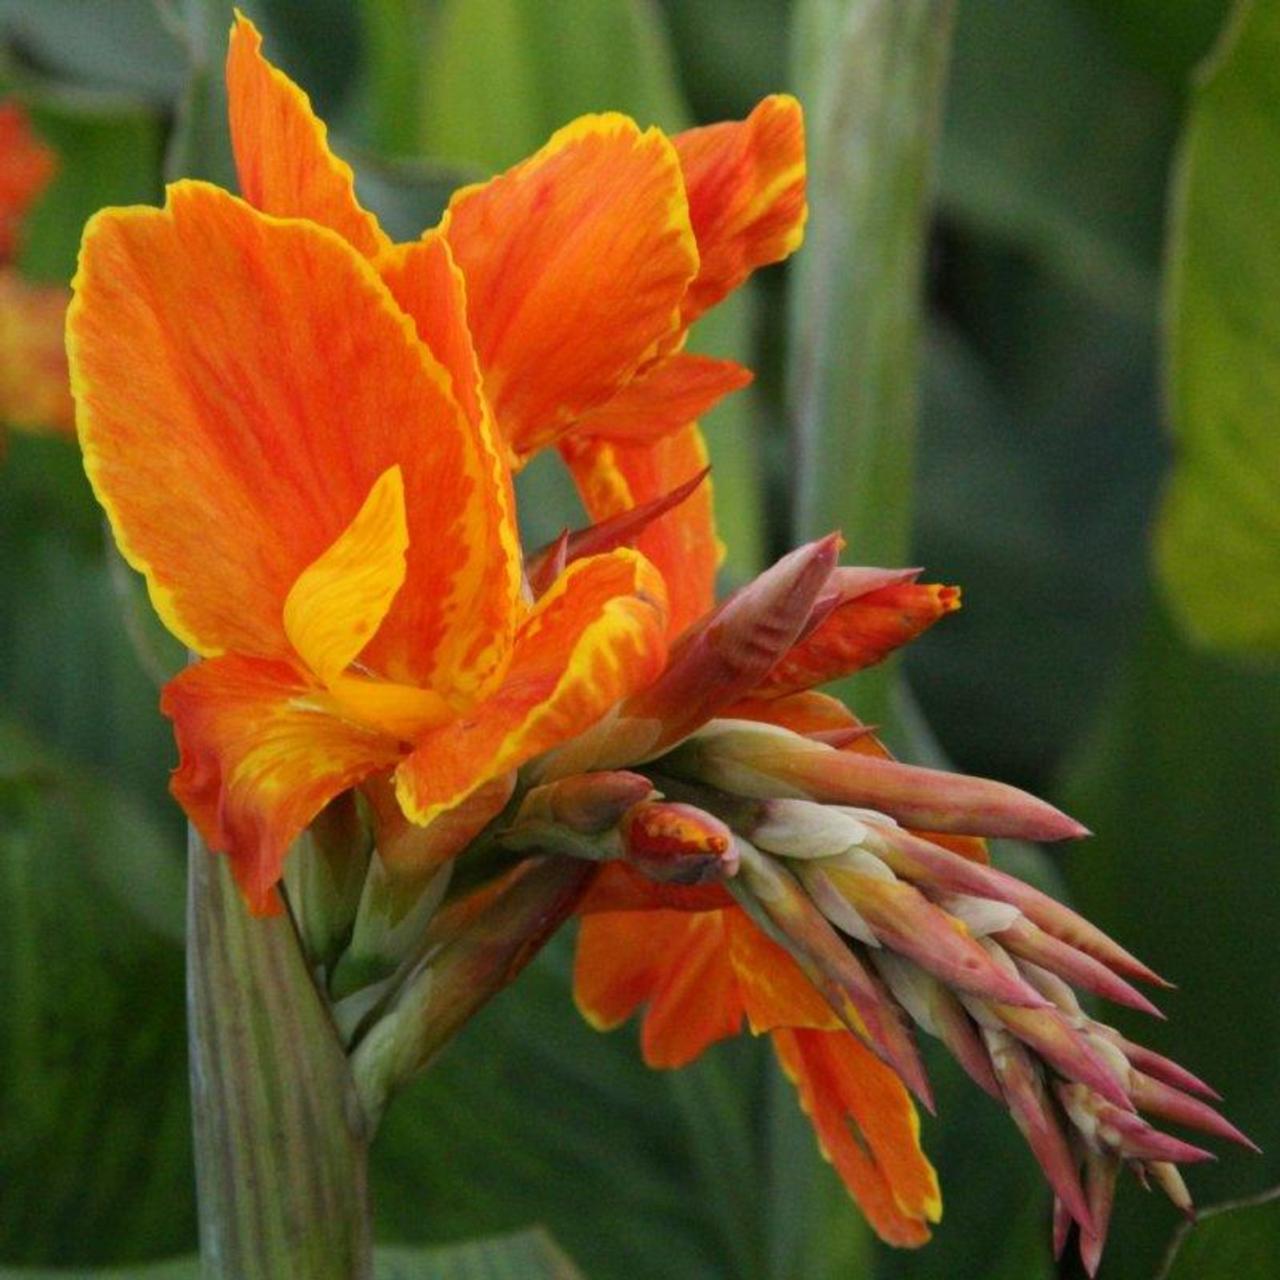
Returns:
(429, 749)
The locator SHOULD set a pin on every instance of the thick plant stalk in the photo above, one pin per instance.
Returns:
(871, 75)
(280, 1139)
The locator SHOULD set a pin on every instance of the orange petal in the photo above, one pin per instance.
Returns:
(241, 383)
(258, 761)
(746, 184)
(860, 633)
(867, 1127)
(35, 391)
(619, 887)
(26, 166)
(282, 150)
(672, 392)
(613, 477)
(576, 261)
(775, 992)
(595, 637)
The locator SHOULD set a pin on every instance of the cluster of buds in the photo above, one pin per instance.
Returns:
(895, 929)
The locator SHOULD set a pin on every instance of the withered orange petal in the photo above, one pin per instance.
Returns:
(34, 390)
(619, 887)
(775, 992)
(613, 476)
(860, 632)
(26, 166)
(746, 185)
(867, 1127)
(258, 761)
(697, 1001)
(241, 383)
(427, 283)
(595, 637)
(576, 261)
(282, 151)
(670, 393)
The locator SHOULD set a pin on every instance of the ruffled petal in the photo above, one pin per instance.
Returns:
(672, 392)
(34, 390)
(258, 760)
(241, 383)
(867, 1127)
(576, 261)
(595, 637)
(613, 477)
(282, 151)
(746, 185)
(859, 633)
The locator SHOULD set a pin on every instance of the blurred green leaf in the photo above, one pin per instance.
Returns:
(1179, 782)
(870, 73)
(139, 49)
(94, 1141)
(1219, 536)
(395, 39)
(200, 144)
(529, 1255)
(502, 75)
(1033, 149)
(1166, 40)
(1229, 1240)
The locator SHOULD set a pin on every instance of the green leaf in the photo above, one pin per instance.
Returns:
(1165, 39)
(1241, 1238)
(502, 75)
(1219, 535)
(871, 74)
(526, 1255)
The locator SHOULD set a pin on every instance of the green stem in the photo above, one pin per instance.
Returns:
(280, 1138)
(871, 75)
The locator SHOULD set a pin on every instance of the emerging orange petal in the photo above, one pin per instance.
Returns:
(619, 887)
(26, 166)
(859, 633)
(775, 992)
(35, 392)
(595, 637)
(868, 1129)
(613, 476)
(258, 761)
(576, 261)
(282, 150)
(241, 383)
(672, 392)
(746, 184)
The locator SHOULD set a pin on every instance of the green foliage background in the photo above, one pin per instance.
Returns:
(1073, 324)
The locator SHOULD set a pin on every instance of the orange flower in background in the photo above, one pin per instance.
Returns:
(34, 393)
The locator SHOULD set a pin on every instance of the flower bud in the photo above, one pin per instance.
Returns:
(802, 829)
(677, 843)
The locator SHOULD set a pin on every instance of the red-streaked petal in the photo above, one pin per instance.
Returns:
(26, 166)
(35, 391)
(258, 761)
(859, 633)
(672, 392)
(596, 636)
(867, 1127)
(746, 185)
(613, 477)
(576, 262)
(241, 383)
(282, 150)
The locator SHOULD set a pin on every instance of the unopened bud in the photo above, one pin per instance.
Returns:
(586, 803)
(677, 843)
(802, 829)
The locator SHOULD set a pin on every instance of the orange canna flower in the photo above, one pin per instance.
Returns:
(34, 392)
(285, 418)
(584, 267)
